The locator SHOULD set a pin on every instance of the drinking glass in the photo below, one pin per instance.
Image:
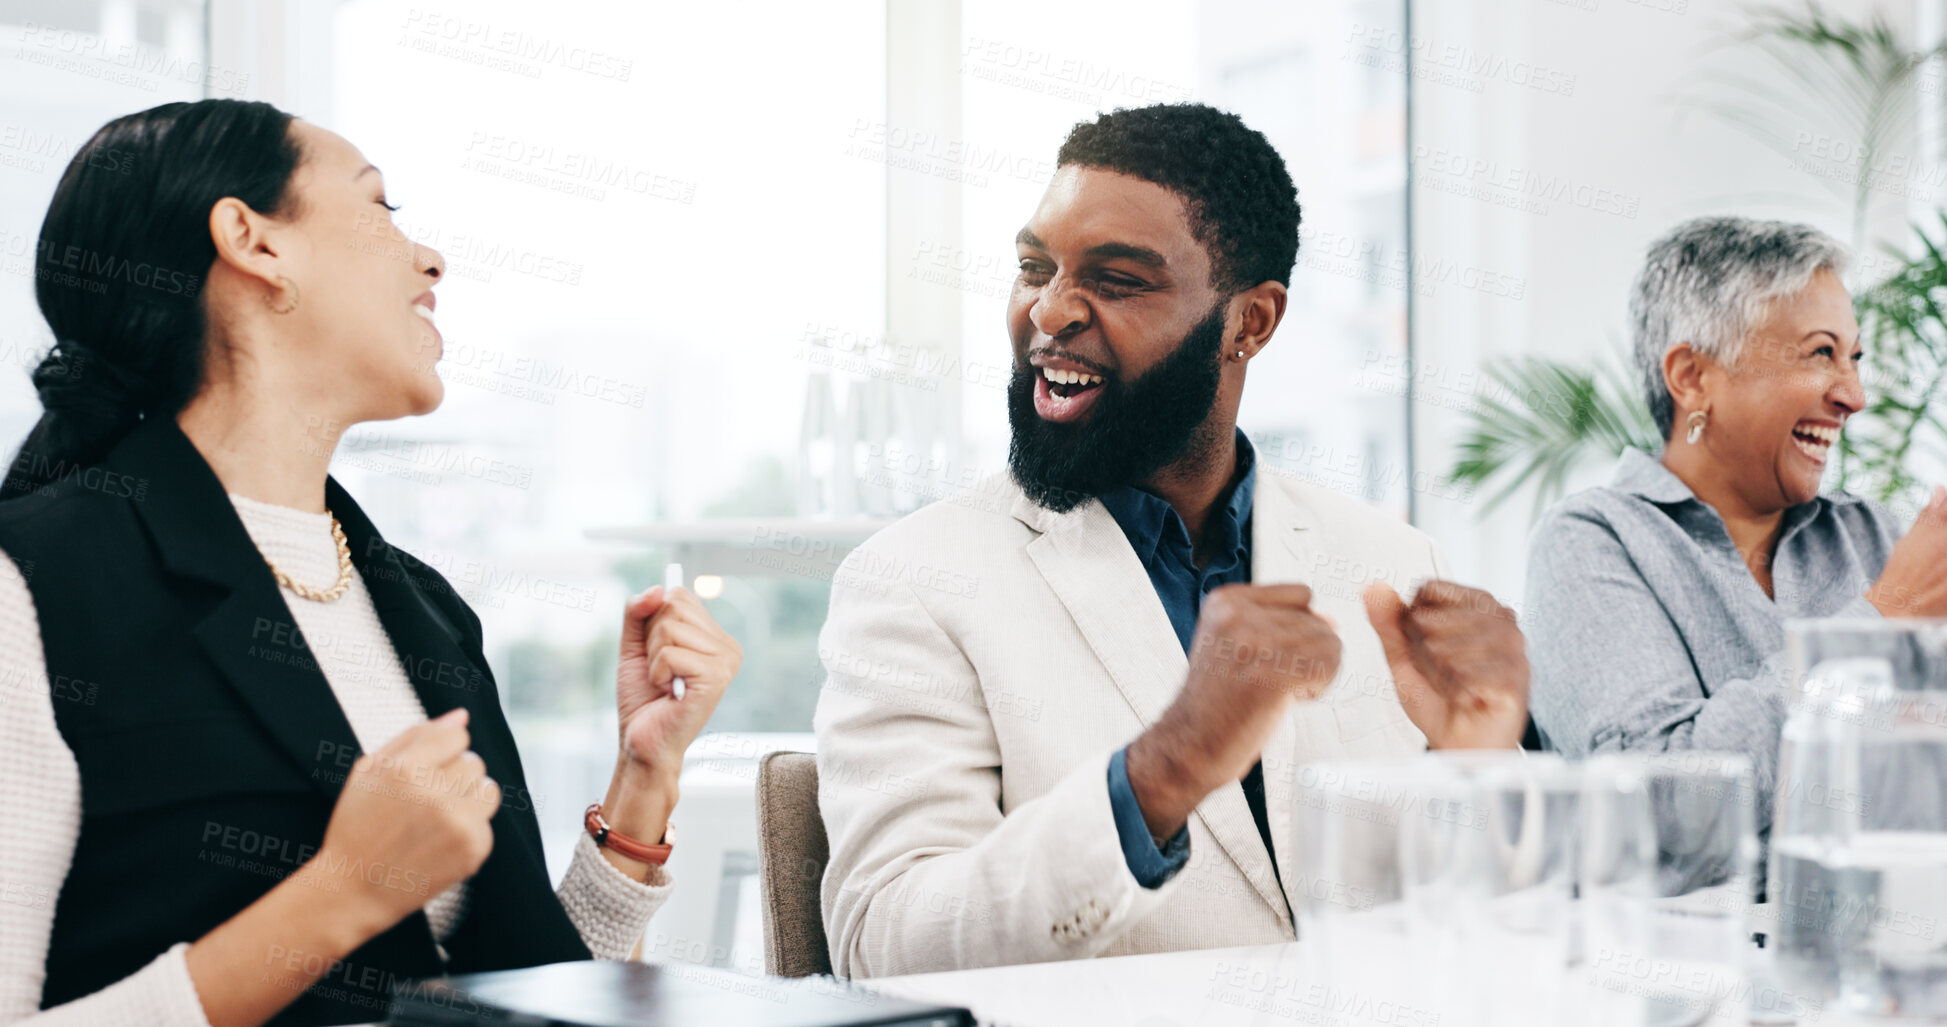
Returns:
(1669, 852)
(1487, 865)
(1345, 837)
(1858, 867)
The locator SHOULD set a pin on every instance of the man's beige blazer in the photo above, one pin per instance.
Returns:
(985, 657)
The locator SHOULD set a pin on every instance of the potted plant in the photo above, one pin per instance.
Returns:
(1864, 79)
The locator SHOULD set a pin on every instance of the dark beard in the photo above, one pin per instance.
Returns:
(1133, 430)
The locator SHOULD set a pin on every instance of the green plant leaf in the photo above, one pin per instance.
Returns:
(1543, 419)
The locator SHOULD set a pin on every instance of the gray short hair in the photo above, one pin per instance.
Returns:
(1708, 283)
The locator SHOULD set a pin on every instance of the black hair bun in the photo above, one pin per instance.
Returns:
(87, 404)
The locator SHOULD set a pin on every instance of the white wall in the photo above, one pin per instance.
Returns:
(1590, 92)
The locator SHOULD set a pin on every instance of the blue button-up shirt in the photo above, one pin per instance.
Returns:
(1162, 542)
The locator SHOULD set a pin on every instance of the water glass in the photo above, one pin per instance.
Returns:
(1669, 854)
(1487, 867)
(1858, 879)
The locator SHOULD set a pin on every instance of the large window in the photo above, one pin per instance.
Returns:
(726, 286)
(647, 211)
(701, 272)
(1316, 403)
(66, 67)
(706, 265)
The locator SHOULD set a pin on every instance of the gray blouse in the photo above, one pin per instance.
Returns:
(1646, 631)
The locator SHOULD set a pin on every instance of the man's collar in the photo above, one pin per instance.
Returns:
(1145, 516)
(1141, 515)
(1239, 506)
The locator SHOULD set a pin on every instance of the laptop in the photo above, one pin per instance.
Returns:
(593, 993)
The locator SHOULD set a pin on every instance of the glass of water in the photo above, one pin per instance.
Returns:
(1858, 869)
(1460, 864)
(1669, 852)
(1487, 866)
(1345, 842)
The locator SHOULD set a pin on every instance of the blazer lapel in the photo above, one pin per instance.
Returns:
(1282, 553)
(247, 631)
(431, 647)
(522, 925)
(249, 635)
(1359, 715)
(1089, 564)
(441, 657)
(1087, 561)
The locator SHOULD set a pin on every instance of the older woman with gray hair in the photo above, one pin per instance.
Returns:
(1656, 605)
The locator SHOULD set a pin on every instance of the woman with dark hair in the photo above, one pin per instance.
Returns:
(253, 765)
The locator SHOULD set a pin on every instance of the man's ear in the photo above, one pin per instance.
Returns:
(1261, 307)
(1683, 375)
(244, 240)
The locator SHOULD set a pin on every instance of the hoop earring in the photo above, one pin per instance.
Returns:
(1696, 421)
(288, 307)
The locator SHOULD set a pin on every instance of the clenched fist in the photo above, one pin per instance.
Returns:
(668, 634)
(1458, 661)
(414, 819)
(1256, 648)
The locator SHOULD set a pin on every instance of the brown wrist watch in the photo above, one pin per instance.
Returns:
(640, 851)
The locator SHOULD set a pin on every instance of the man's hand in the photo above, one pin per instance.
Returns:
(1914, 581)
(1458, 661)
(1257, 648)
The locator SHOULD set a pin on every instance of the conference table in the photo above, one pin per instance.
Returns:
(1261, 984)
(1358, 975)
(1264, 985)
(1254, 986)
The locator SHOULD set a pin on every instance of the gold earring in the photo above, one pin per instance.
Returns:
(1696, 421)
(288, 307)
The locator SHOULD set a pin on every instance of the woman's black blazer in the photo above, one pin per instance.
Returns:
(211, 749)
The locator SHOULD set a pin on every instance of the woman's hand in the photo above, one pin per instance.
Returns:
(414, 818)
(664, 636)
(1914, 581)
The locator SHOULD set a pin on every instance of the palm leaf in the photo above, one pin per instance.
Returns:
(1857, 79)
(1543, 419)
(1861, 80)
(1904, 323)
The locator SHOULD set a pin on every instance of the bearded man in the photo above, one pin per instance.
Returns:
(1089, 744)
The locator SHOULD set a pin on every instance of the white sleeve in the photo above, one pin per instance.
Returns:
(158, 995)
(610, 909)
(40, 802)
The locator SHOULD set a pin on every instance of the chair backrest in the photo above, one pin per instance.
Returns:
(791, 854)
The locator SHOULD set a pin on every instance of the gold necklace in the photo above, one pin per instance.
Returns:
(344, 571)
